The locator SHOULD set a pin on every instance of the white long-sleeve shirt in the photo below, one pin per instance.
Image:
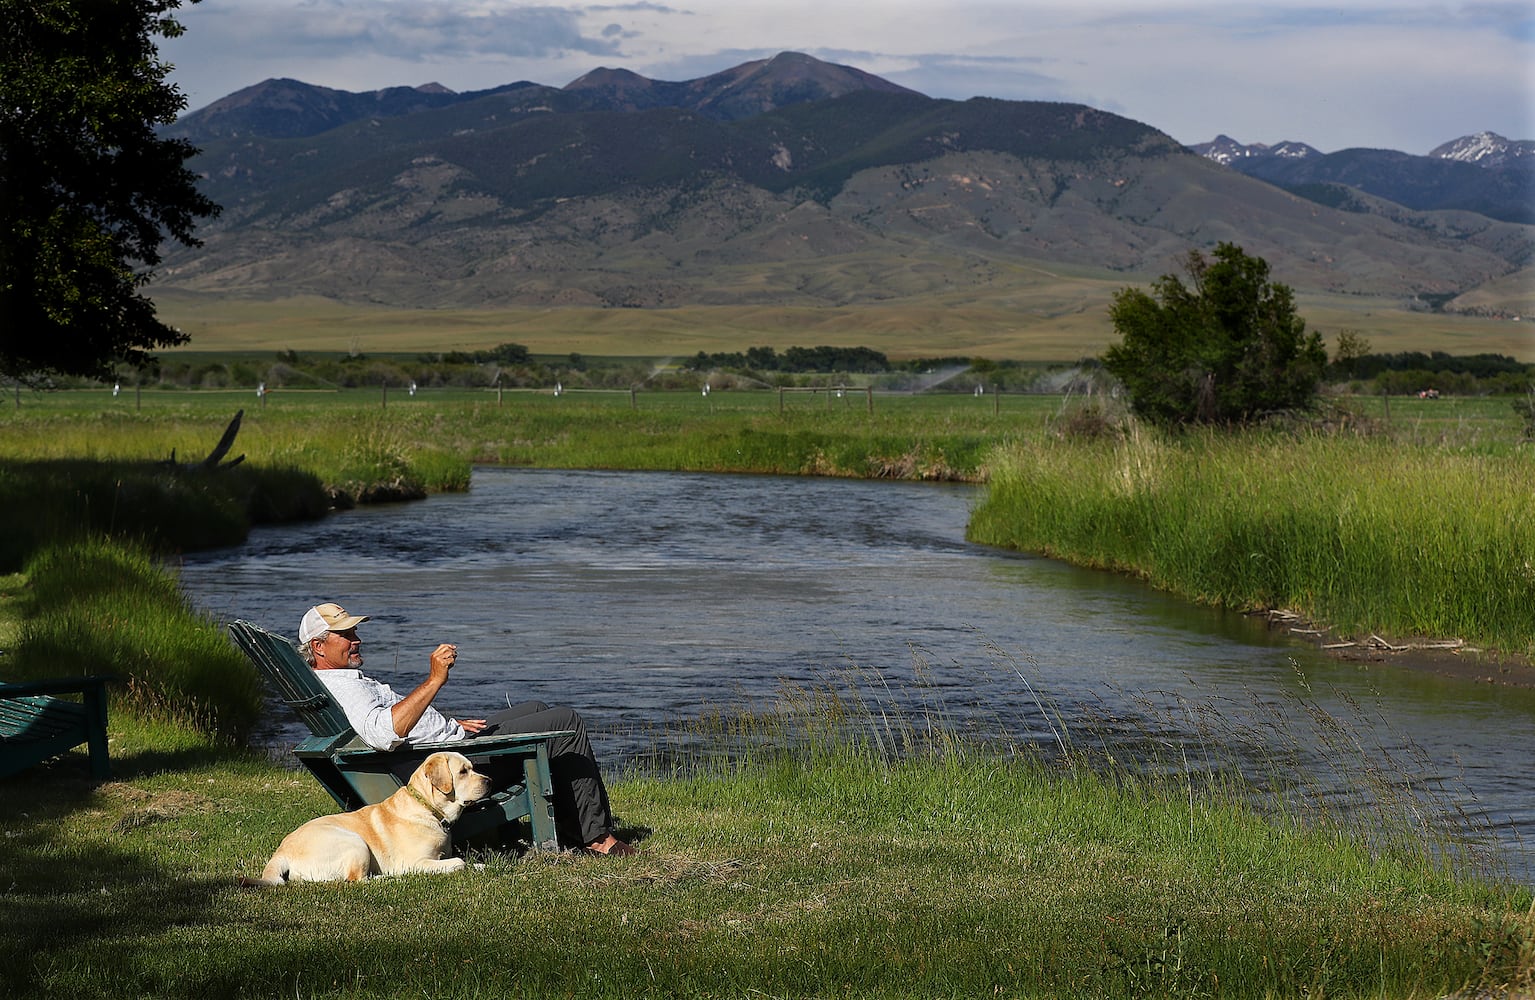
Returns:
(367, 702)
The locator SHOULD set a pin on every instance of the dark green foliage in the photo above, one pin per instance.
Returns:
(1229, 349)
(502, 354)
(88, 192)
(1525, 407)
(1478, 365)
(167, 508)
(795, 359)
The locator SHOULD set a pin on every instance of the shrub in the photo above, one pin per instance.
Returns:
(1228, 350)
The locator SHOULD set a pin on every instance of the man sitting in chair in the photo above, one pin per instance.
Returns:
(328, 642)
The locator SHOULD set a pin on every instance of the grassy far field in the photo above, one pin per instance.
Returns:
(1061, 320)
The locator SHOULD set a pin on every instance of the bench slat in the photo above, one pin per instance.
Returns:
(36, 724)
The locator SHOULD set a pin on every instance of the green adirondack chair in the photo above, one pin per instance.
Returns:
(37, 723)
(356, 775)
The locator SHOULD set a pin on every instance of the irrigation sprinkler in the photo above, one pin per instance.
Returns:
(868, 392)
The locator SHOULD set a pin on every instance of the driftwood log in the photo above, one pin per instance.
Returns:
(215, 459)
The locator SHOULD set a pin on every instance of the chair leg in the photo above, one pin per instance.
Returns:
(96, 732)
(540, 788)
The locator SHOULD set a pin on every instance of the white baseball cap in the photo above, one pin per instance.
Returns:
(327, 618)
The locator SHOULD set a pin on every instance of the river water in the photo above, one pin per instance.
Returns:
(651, 600)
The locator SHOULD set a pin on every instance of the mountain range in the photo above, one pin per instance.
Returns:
(787, 181)
(1483, 173)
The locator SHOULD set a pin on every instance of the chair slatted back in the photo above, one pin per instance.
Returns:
(294, 679)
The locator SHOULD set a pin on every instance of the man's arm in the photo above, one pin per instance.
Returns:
(408, 710)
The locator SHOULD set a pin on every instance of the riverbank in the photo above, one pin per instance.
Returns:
(1373, 536)
(1450, 658)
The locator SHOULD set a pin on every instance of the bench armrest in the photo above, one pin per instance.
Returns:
(53, 685)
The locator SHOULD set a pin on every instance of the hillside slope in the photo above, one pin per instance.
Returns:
(617, 192)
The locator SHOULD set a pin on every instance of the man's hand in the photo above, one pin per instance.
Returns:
(443, 658)
(471, 726)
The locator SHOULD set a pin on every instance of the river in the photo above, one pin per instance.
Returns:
(649, 600)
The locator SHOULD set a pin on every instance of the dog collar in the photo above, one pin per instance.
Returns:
(441, 819)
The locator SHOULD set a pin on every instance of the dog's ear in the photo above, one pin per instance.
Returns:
(439, 771)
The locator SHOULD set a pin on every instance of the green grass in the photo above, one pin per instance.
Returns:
(353, 437)
(94, 606)
(827, 871)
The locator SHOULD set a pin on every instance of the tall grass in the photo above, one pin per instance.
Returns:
(94, 606)
(1362, 534)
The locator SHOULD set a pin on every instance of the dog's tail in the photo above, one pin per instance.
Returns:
(275, 873)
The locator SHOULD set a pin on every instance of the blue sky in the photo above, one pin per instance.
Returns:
(1391, 75)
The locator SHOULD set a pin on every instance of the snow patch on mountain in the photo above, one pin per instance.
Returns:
(1485, 149)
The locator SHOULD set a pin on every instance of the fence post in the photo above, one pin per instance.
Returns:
(869, 391)
(780, 401)
(384, 398)
(996, 400)
(633, 399)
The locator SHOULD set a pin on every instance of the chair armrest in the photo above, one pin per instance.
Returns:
(482, 746)
(349, 745)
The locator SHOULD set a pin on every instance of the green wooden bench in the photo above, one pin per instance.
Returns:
(37, 722)
(356, 775)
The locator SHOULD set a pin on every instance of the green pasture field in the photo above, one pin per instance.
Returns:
(1490, 416)
(1062, 318)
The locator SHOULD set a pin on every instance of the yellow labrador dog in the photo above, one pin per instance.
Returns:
(407, 832)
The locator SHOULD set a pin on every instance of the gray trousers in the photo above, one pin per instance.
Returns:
(581, 812)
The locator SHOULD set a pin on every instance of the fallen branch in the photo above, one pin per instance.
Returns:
(215, 459)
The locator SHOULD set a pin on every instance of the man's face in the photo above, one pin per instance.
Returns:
(338, 650)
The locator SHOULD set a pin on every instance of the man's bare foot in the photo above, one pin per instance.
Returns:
(611, 846)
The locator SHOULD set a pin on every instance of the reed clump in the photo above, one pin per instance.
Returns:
(1363, 534)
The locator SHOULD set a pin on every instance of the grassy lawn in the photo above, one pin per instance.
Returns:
(826, 872)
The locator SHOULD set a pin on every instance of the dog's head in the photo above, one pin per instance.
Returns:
(450, 781)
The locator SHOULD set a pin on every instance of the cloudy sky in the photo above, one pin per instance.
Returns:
(1393, 74)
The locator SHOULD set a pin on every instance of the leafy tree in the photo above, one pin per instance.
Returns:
(1347, 352)
(1226, 349)
(88, 191)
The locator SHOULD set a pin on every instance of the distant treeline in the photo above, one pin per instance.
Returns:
(795, 359)
(513, 366)
(1412, 372)
(1476, 365)
(503, 354)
